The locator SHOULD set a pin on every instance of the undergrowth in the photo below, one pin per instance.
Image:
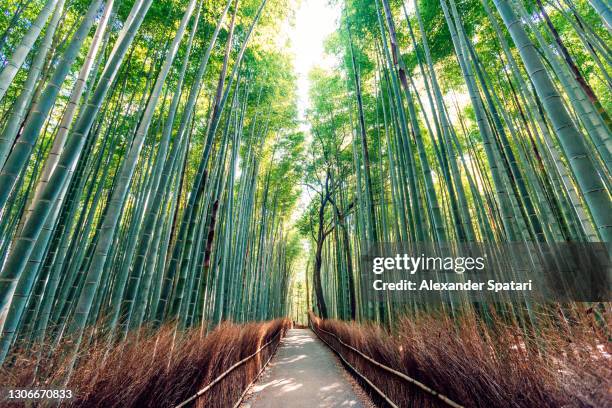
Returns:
(151, 368)
(478, 364)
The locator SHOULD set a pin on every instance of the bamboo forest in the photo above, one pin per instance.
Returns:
(184, 200)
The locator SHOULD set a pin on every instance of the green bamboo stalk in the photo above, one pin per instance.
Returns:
(589, 181)
(25, 46)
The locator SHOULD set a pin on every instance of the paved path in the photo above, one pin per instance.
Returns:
(304, 373)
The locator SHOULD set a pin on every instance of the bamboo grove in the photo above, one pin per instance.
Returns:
(152, 158)
(456, 121)
(147, 151)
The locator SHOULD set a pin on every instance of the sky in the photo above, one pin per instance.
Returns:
(305, 35)
(314, 21)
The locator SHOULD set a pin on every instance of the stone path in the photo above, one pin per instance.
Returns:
(305, 373)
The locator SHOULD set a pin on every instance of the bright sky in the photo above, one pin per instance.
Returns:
(315, 20)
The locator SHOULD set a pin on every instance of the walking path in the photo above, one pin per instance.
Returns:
(305, 373)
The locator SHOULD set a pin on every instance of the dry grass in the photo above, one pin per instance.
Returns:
(484, 365)
(155, 369)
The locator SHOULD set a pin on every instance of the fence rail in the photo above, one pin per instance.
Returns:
(390, 370)
(232, 368)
